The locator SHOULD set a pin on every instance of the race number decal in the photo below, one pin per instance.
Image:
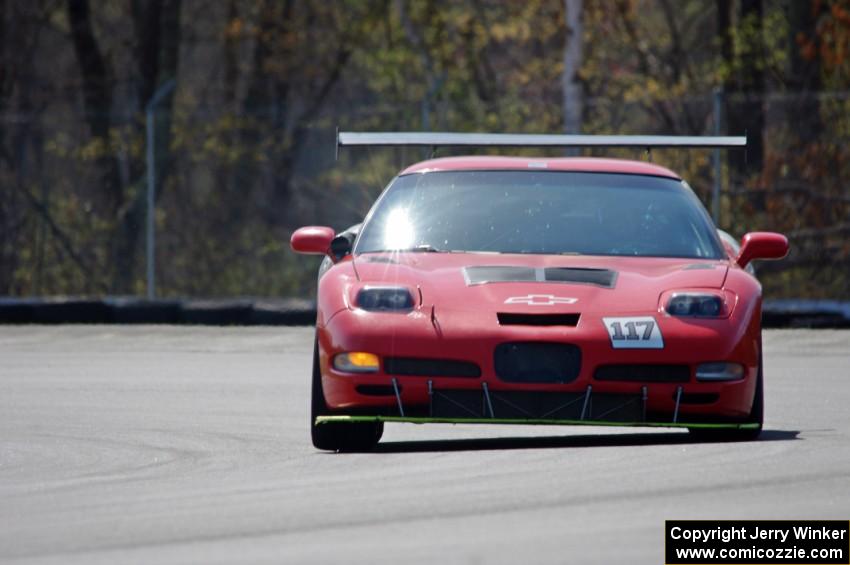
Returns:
(634, 333)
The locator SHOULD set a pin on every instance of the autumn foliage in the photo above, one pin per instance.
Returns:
(245, 142)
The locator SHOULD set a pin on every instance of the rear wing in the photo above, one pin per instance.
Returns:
(444, 139)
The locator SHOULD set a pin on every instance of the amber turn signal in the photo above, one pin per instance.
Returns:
(356, 362)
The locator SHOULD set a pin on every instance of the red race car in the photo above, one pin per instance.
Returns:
(536, 291)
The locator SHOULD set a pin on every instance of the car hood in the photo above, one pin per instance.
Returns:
(538, 283)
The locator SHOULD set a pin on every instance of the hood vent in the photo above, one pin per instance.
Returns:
(506, 319)
(484, 275)
(569, 275)
(599, 277)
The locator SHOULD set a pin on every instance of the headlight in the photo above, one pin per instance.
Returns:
(385, 299)
(720, 371)
(356, 362)
(693, 304)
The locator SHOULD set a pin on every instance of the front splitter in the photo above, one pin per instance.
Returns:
(341, 419)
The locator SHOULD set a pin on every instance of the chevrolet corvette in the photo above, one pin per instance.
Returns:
(517, 290)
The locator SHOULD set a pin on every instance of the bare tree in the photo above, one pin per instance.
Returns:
(156, 42)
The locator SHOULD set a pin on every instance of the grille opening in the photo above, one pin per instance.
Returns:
(644, 373)
(537, 362)
(506, 319)
(415, 367)
(698, 397)
(536, 404)
(376, 390)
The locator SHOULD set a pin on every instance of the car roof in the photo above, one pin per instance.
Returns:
(575, 164)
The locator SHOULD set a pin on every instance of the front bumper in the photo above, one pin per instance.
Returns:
(472, 336)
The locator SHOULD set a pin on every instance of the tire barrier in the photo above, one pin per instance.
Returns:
(129, 310)
(302, 312)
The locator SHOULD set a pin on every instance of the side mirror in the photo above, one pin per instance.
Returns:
(312, 239)
(762, 245)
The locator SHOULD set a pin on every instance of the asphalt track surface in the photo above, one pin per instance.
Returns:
(188, 445)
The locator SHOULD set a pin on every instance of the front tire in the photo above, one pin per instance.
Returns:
(756, 416)
(360, 436)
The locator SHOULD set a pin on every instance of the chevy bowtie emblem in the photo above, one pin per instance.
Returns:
(540, 300)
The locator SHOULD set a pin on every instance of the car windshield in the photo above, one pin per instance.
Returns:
(540, 212)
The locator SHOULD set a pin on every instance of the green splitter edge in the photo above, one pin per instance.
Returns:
(537, 422)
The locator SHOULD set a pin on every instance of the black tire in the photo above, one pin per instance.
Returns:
(361, 436)
(756, 416)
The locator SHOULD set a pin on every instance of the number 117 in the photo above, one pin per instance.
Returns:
(632, 330)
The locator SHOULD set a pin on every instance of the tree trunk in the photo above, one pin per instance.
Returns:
(804, 81)
(746, 105)
(157, 29)
(97, 98)
(724, 32)
(572, 63)
(156, 26)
